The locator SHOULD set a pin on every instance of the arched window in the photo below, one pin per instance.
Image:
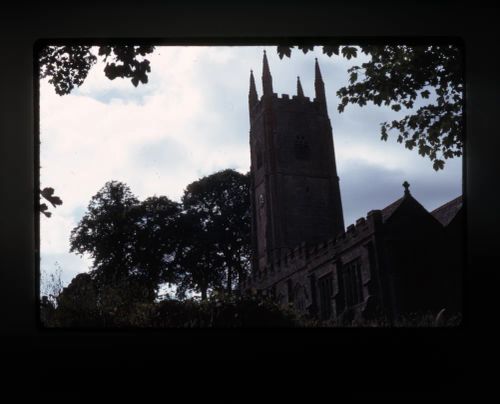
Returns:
(351, 284)
(300, 297)
(325, 287)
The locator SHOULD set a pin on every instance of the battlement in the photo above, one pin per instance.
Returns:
(286, 97)
(305, 256)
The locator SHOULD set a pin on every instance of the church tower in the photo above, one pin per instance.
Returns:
(294, 183)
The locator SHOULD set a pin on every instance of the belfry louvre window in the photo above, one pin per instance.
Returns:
(352, 283)
(301, 148)
(325, 287)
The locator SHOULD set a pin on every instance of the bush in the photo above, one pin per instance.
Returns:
(80, 305)
(222, 311)
(219, 311)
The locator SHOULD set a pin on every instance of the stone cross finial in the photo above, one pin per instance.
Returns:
(406, 186)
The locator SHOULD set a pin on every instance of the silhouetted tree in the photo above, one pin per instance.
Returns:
(131, 242)
(219, 207)
(107, 230)
(398, 75)
(197, 263)
(136, 246)
(213, 231)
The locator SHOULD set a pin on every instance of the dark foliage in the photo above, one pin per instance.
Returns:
(156, 237)
(67, 67)
(224, 311)
(80, 305)
(48, 194)
(398, 76)
(128, 241)
(106, 232)
(77, 304)
(198, 264)
(200, 246)
(214, 233)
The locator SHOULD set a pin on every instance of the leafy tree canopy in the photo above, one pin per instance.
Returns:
(106, 231)
(199, 245)
(216, 231)
(398, 76)
(129, 241)
(156, 236)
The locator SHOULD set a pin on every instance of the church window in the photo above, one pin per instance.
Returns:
(300, 297)
(352, 285)
(301, 148)
(325, 286)
(300, 303)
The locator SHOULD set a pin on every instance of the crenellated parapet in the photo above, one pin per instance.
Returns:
(305, 257)
(281, 98)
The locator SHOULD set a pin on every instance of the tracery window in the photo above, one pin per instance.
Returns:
(351, 280)
(325, 286)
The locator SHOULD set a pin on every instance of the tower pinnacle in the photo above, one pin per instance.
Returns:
(300, 92)
(319, 85)
(267, 80)
(252, 94)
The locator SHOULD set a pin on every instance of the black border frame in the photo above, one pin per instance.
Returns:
(387, 363)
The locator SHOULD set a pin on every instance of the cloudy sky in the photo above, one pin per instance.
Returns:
(191, 120)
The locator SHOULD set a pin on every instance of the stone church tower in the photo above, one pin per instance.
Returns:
(294, 183)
